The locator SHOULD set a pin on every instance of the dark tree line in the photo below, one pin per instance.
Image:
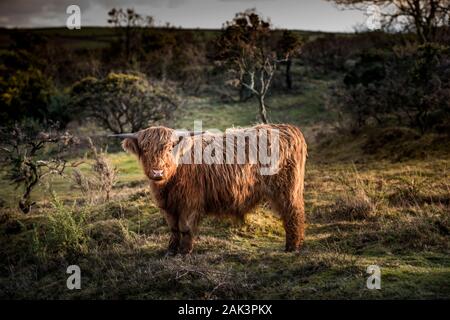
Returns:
(402, 82)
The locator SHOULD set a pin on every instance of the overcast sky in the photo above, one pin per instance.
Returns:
(292, 14)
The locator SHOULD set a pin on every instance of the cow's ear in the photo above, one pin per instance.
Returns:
(131, 145)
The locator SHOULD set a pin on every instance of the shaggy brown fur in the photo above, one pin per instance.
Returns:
(187, 192)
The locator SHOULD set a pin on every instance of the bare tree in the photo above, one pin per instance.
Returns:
(24, 153)
(424, 17)
(246, 48)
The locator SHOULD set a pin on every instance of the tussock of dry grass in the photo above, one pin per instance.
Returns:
(97, 186)
(350, 207)
(421, 232)
(406, 197)
(108, 232)
(352, 201)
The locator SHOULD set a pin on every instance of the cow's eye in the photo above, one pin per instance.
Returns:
(176, 142)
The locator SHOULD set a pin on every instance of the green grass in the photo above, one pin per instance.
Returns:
(129, 173)
(304, 107)
(121, 253)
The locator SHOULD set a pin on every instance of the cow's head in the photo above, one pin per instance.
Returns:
(159, 149)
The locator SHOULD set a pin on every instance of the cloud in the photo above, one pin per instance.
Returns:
(295, 14)
(29, 13)
(254, 1)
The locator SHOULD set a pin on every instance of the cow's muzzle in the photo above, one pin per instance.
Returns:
(157, 174)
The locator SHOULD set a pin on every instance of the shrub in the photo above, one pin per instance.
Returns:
(124, 102)
(64, 232)
(99, 184)
(404, 86)
(27, 92)
(30, 154)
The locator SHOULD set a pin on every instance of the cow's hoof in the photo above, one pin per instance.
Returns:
(185, 251)
(292, 249)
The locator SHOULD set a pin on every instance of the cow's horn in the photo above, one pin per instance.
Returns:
(124, 135)
(196, 133)
(182, 133)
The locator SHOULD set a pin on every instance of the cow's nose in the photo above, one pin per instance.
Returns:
(158, 173)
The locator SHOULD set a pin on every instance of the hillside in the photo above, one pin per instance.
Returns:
(102, 37)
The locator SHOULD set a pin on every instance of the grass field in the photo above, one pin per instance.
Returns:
(393, 216)
(303, 109)
(374, 212)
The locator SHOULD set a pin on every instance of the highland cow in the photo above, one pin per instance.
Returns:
(186, 190)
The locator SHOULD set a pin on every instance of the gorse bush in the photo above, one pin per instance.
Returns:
(405, 86)
(123, 102)
(64, 233)
(28, 92)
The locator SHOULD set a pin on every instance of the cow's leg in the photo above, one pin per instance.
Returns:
(293, 215)
(174, 241)
(187, 225)
(294, 224)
